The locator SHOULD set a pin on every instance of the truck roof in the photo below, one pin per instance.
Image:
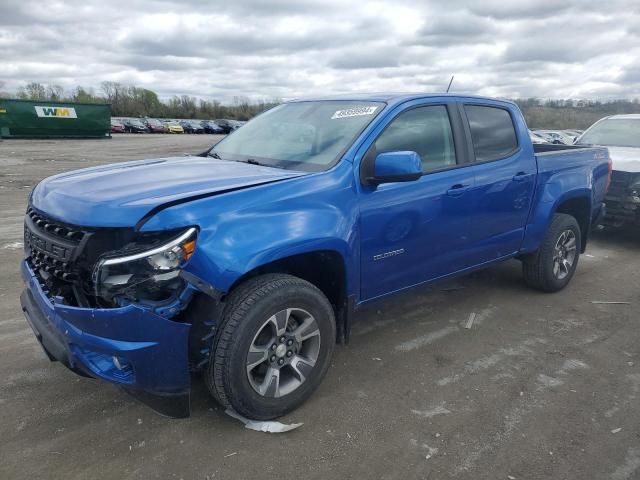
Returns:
(393, 98)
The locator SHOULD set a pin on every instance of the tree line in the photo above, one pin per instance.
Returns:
(133, 101)
(581, 114)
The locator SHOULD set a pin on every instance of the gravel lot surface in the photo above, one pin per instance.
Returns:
(540, 387)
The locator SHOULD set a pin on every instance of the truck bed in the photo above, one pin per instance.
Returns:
(544, 148)
(554, 158)
(565, 167)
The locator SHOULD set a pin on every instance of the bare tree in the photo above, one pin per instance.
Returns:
(54, 92)
(35, 91)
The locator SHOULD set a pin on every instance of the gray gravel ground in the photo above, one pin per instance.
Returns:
(536, 389)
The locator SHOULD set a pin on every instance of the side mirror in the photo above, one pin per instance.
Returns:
(391, 167)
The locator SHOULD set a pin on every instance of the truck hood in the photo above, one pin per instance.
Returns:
(119, 195)
(625, 159)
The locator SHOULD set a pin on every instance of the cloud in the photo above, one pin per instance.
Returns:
(293, 48)
(455, 28)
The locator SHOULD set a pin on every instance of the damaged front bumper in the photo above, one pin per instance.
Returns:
(131, 346)
(623, 199)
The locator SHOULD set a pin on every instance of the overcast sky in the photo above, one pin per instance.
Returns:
(286, 49)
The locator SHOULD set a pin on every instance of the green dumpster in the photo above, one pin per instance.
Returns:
(45, 119)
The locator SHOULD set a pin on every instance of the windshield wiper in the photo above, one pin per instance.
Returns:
(250, 161)
(255, 162)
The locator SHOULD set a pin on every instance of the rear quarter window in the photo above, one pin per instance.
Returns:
(492, 132)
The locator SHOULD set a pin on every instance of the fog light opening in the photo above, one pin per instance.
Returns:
(120, 363)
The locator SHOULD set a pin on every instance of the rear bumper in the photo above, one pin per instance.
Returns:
(130, 346)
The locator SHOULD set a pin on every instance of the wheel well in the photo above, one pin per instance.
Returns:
(580, 209)
(325, 269)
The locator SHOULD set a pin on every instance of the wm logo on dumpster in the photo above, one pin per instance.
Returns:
(56, 112)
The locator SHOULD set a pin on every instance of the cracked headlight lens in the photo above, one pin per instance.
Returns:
(151, 275)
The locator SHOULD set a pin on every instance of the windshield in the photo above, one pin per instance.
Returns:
(153, 121)
(613, 132)
(307, 136)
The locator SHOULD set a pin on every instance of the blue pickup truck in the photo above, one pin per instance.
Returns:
(246, 262)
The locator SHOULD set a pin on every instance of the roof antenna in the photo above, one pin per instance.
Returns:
(450, 82)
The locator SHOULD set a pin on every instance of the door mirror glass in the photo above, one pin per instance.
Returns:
(404, 166)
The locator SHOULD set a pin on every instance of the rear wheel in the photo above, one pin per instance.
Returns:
(273, 347)
(551, 268)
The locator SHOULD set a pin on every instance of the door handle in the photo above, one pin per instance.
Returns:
(457, 190)
(520, 176)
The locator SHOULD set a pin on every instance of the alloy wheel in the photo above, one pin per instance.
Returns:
(283, 352)
(564, 254)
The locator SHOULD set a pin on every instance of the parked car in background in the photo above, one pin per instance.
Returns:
(134, 125)
(535, 138)
(173, 126)
(192, 126)
(117, 126)
(155, 126)
(212, 127)
(621, 135)
(573, 133)
(246, 263)
(555, 136)
(227, 125)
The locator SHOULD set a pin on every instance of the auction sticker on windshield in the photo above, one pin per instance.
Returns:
(354, 112)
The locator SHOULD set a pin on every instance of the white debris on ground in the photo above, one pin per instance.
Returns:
(260, 426)
(469, 323)
(430, 451)
(601, 302)
(439, 410)
(13, 246)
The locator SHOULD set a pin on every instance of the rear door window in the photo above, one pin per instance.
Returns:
(492, 132)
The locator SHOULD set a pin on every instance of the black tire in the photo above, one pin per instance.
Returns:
(538, 268)
(247, 308)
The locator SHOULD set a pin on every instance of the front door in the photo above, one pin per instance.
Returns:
(416, 231)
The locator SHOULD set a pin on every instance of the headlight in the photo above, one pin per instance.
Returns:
(152, 275)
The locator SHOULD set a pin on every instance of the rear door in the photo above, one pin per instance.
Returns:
(504, 175)
(415, 231)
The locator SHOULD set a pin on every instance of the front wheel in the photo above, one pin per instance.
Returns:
(273, 346)
(552, 266)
